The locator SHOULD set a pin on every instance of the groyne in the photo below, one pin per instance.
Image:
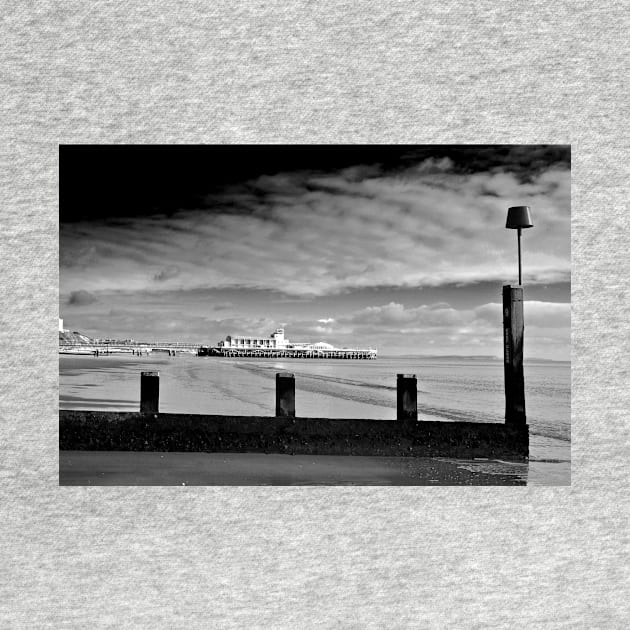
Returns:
(285, 433)
(118, 431)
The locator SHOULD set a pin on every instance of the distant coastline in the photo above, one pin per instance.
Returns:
(469, 357)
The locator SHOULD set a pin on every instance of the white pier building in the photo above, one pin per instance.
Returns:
(276, 345)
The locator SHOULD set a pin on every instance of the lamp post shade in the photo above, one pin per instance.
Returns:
(519, 217)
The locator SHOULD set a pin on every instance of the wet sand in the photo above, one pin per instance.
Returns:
(122, 468)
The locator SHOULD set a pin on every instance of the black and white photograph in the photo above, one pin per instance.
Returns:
(314, 315)
(343, 316)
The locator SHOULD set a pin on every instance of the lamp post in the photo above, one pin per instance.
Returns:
(519, 217)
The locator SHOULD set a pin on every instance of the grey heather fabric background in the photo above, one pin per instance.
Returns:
(112, 72)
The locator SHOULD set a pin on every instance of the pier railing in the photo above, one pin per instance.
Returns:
(290, 353)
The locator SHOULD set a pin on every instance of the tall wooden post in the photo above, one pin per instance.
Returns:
(406, 398)
(513, 327)
(285, 395)
(149, 392)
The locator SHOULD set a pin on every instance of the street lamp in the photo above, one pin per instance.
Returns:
(519, 217)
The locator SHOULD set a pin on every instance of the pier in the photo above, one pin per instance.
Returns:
(289, 353)
(139, 348)
(277, 346)
(274, 347)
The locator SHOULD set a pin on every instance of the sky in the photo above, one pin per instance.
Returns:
(403, 248)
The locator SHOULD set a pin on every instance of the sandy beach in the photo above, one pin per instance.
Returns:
(224, 469)
(448, 390)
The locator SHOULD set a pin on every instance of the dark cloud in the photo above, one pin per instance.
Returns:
(222, 306)
(167, 273)
(78, 256)
(149, 180)
(81, 298)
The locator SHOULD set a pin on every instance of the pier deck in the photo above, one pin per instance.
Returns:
(288, 353)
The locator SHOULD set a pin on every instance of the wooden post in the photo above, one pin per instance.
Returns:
(406, 398)
(513, 327)
(149, 392)
(285, 395)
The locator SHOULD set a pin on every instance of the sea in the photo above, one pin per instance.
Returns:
(449, 389)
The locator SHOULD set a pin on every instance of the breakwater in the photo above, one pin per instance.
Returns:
(285, 433)
(128, 431)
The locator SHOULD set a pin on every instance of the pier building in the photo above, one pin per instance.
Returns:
(276, 345)
(276, 340)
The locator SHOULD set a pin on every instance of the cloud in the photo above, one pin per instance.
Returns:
(172, 271)
(396, 317)
(432, 166)
(222, 306)
(423, 328)
(251, 326)
(312, 233)
(81, 298)
(539, 314)
(77, 256)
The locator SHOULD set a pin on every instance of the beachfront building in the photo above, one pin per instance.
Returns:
(60, 325)
(277, 345)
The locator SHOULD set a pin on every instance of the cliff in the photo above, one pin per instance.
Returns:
(74, 337)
